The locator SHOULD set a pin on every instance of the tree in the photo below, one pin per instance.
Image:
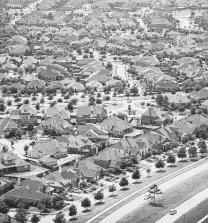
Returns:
(3, 207)
(26, 102)
(112, 188)
(91, 100)
(59, 218)
(159, 99)
(9, 103)
(2, 107)
(182, 153)
(154, 190)
(21, 215)
(42, 100)
(35, 219)
(50, 98)
(18, 134)
(122, 116)
(37, 106)
(70, 106)
(86, 203)
(136, 174)
(30, 126)
(142, 103)
(160, 164)
(192, 152)
(98, 101)
(123, 182)
(26, 149)
(58, 201)
(134, 90)
(60, 100)
(203, 147)
(148, 171)
(99, 196)
(181, 109)
(193, 111)
(171, 159)
(72, 210)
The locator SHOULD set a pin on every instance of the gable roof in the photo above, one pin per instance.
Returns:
(113, 123)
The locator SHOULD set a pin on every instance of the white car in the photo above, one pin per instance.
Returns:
(173, 211)
(147, 196)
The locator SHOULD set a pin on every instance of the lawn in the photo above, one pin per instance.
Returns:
(171, 199)
(96, 209)
(195, 214)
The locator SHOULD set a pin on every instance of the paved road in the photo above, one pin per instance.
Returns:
(185, 207)
(138, 201)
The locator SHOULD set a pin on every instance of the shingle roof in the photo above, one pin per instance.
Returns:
(24, 193)
(114, 123)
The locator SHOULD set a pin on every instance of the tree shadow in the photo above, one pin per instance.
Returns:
(100, 203)
(193, 160)
(113, 195)
(172, 165)
(183, 161)
(156, 204)
(73, 219)
(160, 171)
(137, 182)
(86, 211)
(125, 188)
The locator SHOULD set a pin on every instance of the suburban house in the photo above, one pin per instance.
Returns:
(35, 183)
(37, 85)
(11, 163)
(89, 170)
(166, 85)
(199, 95)
(57, 124)
(50, 75)
(110, 158)
(26, 195)
(116, 127)
(184, 129)
(8, 127)
(67, 178)
(24, 115)
(75, 144)
(152, 116)
(95, 137)
(48, 147)
(178, 100)
(131, 146)
(91, 114)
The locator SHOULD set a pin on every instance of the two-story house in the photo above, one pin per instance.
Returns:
(24, 115)
(50, 75)
(91, 114)
(11, 163)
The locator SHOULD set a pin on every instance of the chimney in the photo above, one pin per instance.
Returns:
(18, 181)
(60, 169)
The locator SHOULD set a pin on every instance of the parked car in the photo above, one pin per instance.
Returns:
(147, 196)
(173, 211)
